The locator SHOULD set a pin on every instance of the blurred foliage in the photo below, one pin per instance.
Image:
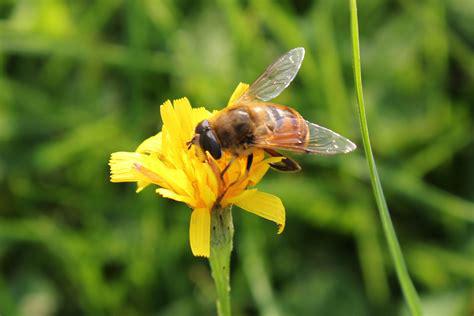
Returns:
(81, 79)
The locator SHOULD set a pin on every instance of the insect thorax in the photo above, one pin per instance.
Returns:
(234, 128)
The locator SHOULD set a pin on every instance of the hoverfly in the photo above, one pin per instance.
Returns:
(252, 122)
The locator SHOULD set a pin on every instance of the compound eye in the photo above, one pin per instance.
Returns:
(202, 127)
(209, 142)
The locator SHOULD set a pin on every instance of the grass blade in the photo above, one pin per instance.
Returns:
(409, 291)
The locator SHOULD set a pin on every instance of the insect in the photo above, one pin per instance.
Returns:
(253, 122)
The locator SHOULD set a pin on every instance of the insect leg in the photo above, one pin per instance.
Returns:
(285, 165)
(249, 163)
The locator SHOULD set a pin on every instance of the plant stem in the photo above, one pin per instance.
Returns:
(409, 291)
(222, 232)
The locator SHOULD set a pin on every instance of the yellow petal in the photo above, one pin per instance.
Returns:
(173, 140)
(257, 173)
(146, 171)
(262, 204)
(122, 167)
(150, 145)
(258, 155)
(260, 169)
(155, 171)
(211, 178)
(208, 195)
(241, 88)
(171, 152)
(183, 112)
(199, 114)
(234, 191)
(174, 196)
(235, 170)
(170, 120)
(141, 185)
(200, 232)
(175, 179)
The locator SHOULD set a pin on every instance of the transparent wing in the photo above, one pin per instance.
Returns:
(276, 77)
(323, 141)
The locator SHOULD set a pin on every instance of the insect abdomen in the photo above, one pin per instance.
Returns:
(285, 124)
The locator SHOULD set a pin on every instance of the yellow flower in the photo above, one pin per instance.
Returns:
(186, 175)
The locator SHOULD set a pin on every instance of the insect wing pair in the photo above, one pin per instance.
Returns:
(318, 139)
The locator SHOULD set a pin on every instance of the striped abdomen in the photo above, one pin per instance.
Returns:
(278, 124)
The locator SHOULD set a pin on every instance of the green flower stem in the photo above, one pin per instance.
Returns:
(409, 291)
(222, 232)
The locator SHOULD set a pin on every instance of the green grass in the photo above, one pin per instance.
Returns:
(409, 291)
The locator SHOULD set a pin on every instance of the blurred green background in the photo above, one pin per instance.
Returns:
(82, 79)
